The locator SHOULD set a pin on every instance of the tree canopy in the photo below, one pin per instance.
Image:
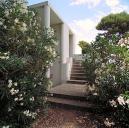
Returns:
(83, 45)
(115, 23)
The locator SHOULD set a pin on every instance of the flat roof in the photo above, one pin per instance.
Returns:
(53, 10)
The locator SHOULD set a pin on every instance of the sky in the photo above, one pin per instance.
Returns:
(83, 15)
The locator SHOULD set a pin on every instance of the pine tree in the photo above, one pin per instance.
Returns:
(115, 23)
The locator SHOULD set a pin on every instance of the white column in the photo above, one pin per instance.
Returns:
(71, 46)
(73, 43)
(46, 18)
(62, 43)
(63, 66)
(46, 22)
(64, 52)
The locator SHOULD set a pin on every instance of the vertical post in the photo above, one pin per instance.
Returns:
(46, 23)
(46, 18)
(73, 44)
(62, 43)
(64, 52)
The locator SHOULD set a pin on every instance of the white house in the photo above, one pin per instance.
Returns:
(61, 69)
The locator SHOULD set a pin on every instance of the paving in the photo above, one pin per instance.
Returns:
(69, 118)
(70, 95)
(73, 93)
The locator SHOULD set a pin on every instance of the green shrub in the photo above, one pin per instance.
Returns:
(113, 77)
(26, 52)
(121, 109)
(91, 60)
(109, 71)
(109, 66)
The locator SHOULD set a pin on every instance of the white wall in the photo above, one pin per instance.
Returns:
(65, 53)
(56, 68)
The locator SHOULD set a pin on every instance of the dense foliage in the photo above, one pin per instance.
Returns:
(114, 67)
(26, 52)
(90, 61)
(109, 65)
(115, 23)
(83, 45)
(108, 60)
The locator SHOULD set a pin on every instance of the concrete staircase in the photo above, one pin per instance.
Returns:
(70, 96)
(77, 73)
(73, 93)
(71, 103)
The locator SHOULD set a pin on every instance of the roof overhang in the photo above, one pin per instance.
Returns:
(54, 16)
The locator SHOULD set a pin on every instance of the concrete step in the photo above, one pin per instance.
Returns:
(77, 65)
(77, 81)
(70, 91)
(77, 77)
(77, 61)
(80, 105)
(70, 102)
(75, 71)
(68, 96)
(78, 68)
(78, 74)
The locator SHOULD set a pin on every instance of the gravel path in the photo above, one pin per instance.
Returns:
(67, 118)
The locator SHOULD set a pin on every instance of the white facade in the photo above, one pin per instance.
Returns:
(61, 69)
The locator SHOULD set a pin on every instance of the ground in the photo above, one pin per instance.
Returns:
(69, 118)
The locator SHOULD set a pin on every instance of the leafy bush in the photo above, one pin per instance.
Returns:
(109, 66)
(121, 109)
(109, 63)
(108, 59)
(113, 78)
(26, 52)
(91, 60)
